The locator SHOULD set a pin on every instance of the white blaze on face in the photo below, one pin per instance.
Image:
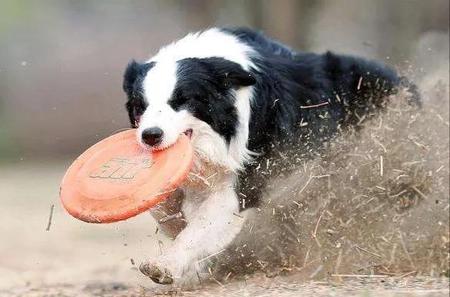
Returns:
(158, 89)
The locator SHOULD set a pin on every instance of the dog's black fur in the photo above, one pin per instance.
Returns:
(289, 84)
(203, 88)
(132, 86)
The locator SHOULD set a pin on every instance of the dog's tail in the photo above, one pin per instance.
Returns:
(363, 86)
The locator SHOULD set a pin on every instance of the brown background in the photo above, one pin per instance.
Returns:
(61, 62)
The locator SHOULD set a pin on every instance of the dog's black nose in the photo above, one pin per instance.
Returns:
(152, 136)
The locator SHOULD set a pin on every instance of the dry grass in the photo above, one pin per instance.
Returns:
(376, 202)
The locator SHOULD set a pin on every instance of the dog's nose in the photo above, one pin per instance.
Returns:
(152, 136)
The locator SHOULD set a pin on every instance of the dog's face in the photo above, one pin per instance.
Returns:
(195, 96)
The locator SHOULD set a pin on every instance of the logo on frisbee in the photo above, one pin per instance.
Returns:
(121, 168)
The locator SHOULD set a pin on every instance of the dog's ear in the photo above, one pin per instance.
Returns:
(134, 73)
(238, 77)
(230, 74)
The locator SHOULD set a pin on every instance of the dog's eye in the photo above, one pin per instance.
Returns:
(179, 99)
(137, 120)
(200, 98)
(138, 111)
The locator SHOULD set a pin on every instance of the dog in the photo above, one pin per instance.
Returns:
(245, 100)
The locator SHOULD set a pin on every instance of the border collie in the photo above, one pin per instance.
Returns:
(246, 101)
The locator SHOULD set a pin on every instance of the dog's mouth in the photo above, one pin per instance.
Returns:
(188, 133)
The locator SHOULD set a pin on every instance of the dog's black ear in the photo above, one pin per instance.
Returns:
(134, 73)
(230, 73)
(238, 77)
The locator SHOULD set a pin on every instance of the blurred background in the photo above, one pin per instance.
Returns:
(61, 62)
(61, 66)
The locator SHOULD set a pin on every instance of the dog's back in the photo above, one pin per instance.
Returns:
(301, 100)
(356, 85)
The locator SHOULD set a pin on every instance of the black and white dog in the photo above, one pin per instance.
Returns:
(243, 99)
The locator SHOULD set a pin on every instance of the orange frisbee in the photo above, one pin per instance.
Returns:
(116, 178)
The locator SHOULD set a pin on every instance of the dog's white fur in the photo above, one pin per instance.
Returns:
(210, 211)
(160, 83)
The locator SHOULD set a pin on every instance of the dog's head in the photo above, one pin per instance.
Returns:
(205, 98)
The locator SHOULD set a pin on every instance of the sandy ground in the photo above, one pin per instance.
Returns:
(257, 286)
(78, 259)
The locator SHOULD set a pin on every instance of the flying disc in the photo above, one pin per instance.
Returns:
(116, 178)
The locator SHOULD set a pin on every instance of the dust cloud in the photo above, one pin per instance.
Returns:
(376, 201)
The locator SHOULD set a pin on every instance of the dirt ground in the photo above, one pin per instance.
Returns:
(78, 259)
(257, 286)
(401, 237)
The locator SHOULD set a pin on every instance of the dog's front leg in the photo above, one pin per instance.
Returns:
(210, 230)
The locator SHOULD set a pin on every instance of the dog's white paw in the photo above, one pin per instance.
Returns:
(166, 272)
(158, 272)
